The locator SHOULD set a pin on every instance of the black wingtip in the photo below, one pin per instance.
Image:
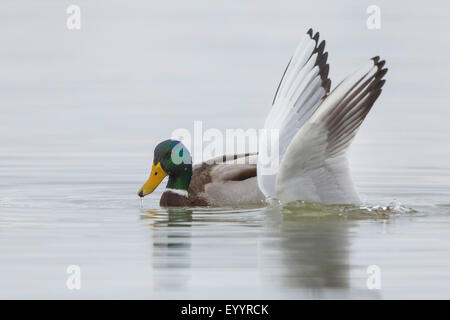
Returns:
(316, 37)
(327, 85)
(321, 48)
(321, 60)
(378, 85)
(380, 64)
(381, 73)
(324, 72)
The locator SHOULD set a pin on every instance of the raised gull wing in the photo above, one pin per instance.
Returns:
(302, 88)
(314, 166)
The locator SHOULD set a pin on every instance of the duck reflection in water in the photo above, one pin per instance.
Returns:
(313, 250)
(301, 248)
(171, 239)
(312, 242)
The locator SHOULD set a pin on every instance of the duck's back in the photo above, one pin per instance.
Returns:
(226, 181)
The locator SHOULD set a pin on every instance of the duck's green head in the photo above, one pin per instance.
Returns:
(171, 158)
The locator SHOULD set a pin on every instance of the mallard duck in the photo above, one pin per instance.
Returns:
(315, 129)
(217, 182)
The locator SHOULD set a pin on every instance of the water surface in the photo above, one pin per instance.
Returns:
(81, 112)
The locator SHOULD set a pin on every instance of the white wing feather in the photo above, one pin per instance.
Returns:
(303, 86)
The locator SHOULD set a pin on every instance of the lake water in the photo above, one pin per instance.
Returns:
(81, 112)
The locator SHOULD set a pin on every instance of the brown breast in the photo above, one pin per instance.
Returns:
(171, 199)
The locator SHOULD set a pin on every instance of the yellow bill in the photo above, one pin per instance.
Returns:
(157, 175)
